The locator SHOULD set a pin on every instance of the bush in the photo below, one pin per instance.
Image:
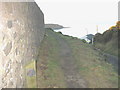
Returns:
(84, 41)
(60, 32)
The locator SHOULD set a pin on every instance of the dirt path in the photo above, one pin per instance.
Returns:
(68, 65)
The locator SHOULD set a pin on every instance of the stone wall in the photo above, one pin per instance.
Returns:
(21, 32)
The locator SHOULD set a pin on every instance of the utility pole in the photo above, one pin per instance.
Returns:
(97, 28)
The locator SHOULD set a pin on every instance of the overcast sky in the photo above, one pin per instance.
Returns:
(80, 15)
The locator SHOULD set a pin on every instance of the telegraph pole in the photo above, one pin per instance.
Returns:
(97, 28)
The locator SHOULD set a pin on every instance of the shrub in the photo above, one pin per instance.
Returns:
(60, 32)
(84, 41)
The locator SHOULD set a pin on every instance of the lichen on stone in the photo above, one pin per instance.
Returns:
(8, 48)
(9, 24)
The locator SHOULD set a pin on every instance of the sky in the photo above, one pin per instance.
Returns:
(82, 16)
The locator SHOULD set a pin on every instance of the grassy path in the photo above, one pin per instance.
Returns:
(68, 65)
(67, 62)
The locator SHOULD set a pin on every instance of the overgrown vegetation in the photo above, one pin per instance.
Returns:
(91, 64)
(108, 41)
